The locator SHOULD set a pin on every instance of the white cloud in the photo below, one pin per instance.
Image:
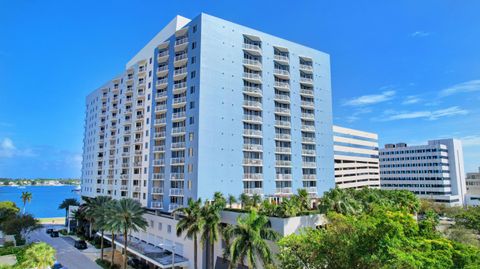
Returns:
(8, 149)
(371, 99)
(419, 34)
(430, 115)
(471, 140)
(410, 100)
(468, 86)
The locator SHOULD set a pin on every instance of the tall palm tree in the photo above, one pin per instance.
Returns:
(303, 199)
(67, 203)
(99, 209)
(249, 240)
(210, 213)
(256, 200)
(111, 226)
(191, 223)
(26, 198)
(231, 200)
(89, 210)
(245, 200)
(340, 201)
(39, 256)
(128, 216)
(219, 199)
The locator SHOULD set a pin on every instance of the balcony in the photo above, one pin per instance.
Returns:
(283, 136)
(309, 165)
(282, 85)
(162, 71)
(179, 88)
(162, 83)
(181, 44)
(284, 74)
(158, 176)
(159, 96)
(306, 68)
(283, 98)
(252, 48)
(179, 101)
(173, 207)
(177, 176)
(307, 92)
(136, 188)
(309, 116)
(180, 74)
(176, 192)
(283, 163)
(252, 161)
(178, 145)
(159, 148)
(283, 150)
(162, 56)
(177, 160)
(255, 105)
(284, 191)
(253, 64)
(311, 190)
(160, 108)
(180, 60)
(161, 121)
(253, 147)
(308, 128)
(282, 111)
(252, 191)
(178, 130)
(123, 187)
(251, 132)
(309, 104)
(159, 134)
(252, 118)
(157, 190)
(308, 140)
(179, 116)
(253, 91)
(308, 81)
(156, 205)
(310, 152)
(282, 123)
(309, 177)
(252, 177)
(159, 162)
(252, 77)
(281, 58)
(281, 177)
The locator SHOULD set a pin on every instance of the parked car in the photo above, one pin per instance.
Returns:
(58, 265)
(49, 231)
(54, 234)
(137, 263)
(80, 244)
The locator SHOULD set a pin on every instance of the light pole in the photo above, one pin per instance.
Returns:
(173, 252)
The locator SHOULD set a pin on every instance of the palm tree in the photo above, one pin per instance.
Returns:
(219, 199)
(191, 223)
(127, 216)
(39, 256)
(99, 208)
(256, 200)
(89, 210)
(26, 198)
(111, 226)
(340, 201)
(231, 200)
(249, 240)
(245, 200)
(67, 203)
(210, 213)
(303, 199)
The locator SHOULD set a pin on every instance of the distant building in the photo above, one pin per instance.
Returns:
(433, 171)
(356, 158)
(473, 188)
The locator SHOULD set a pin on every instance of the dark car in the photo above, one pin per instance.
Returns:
(80, 244)
(49, 231)
(137, 264)
(54, 234)
(58, 265)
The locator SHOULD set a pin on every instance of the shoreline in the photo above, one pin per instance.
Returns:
(40, 185)
(52, 220)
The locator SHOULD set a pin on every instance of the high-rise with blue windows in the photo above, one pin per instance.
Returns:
(209, 105)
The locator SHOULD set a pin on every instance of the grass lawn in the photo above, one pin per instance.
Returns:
(60, 220)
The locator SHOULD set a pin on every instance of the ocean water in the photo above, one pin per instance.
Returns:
(45, 199)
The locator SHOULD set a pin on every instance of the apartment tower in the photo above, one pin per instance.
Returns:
(208, 105)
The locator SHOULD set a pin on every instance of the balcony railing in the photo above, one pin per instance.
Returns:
(177, 160)
(157, 190)
(283, 190)
(281, 58)
(306, 80)
(308, 103)
(306, 67)
(252, 118)
(181, 41)
(178, 130)
(159, 148)
(283, 136)
(250, 132)
(308, 152)
(160, 121)
(254, 90)
(282, 123)
(252, 176)
(177, 176)
(256, 147)
(281, 72)
(283, 85)
(309, 177)
(156, 205)
(159, 176)
(159, 134)
(256, 63)
(254, 104)
(282, 110)
(308, 139)
(283, 177)
(159, 162)
(178, 145)
(252, 47)
(179, 100)
(252, 191)
(176, 192)
(306, 92)
(308, 128)
(308, 115)
(282, 97)
(160, 108)
(283, 163)
(172, 207)
(283, 150)
(253, 161)
(309, 164)
(180, 71)
(252, 76)
(180, 57)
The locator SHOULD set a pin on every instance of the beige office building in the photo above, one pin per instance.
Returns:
(356, 158)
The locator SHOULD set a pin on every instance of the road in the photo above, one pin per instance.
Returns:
(67, 255)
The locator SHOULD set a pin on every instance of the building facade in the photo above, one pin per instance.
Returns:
(208, 105)
(434, 171)
(473, 188)
(356, 158)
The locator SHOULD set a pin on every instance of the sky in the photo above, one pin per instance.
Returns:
(407, 70)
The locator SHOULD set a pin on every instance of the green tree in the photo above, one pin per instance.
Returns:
(428, 224)
(340, 201)
(245, 200)
(26, 198)
(303, 199)
(256, 200)
(39, 256)
(67, 203)
(469, 218)
(20, 225)
(191, 223)
(231, 200)
(127, 216)
(8, 209)
(210, 213)
(249, 240)
(111, 226)
(99, 208)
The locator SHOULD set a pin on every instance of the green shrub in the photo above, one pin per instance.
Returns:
(63, 232)
(8, 244)
(106, 264)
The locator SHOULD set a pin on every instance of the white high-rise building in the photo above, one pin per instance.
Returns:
(356, 158)
(434, 171)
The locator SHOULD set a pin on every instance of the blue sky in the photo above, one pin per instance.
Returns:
(408, 70)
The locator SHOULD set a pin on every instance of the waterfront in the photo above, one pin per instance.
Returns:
(45, 199)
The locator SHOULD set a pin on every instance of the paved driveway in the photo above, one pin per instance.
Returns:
(67, 255)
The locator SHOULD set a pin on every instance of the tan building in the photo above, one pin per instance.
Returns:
(473, 182)
(356, 158)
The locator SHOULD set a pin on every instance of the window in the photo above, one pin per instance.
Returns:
(194, 45)
(189, 184)
(193, 60)
(192, 89)
(150, 74)
(192, 105)
(169, 228)
(194, 29)
(193, 74)
(190, 136)
(191, 120)
(150, 60)
(190, 152)
(190, 167)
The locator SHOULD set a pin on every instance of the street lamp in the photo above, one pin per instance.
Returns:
(173, 252)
